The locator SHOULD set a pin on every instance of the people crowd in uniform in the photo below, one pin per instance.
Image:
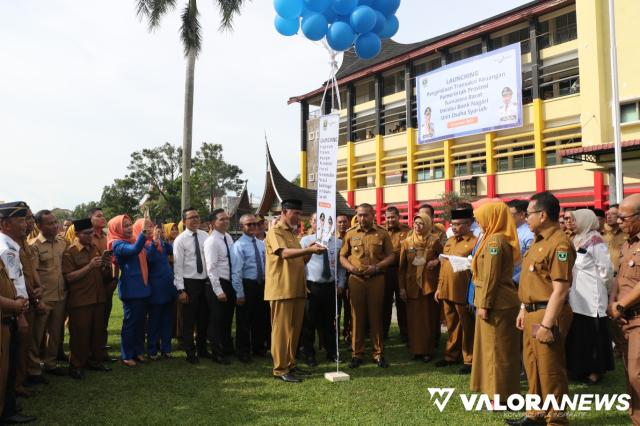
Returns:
(516, 288)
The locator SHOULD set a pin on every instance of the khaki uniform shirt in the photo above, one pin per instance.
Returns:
(48, 260)
(7, 288)
(88, 289)
(615, 240)
(550, 258)
(494, 287)
(100, 241)
(365, 248)
(453, 286)
(284, 278)
(397, 236)
(408, 274)
(629, 272)
(28, 261)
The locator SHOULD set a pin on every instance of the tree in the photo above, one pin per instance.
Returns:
(449, 200)
(212, 176)
(153, 11)
(120, 198)
(82, 210)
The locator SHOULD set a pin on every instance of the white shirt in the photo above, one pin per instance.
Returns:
(217, 262)
(315, 266)
(10, 255)
(184, 258)
(592, 274)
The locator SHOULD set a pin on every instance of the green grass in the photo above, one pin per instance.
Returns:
(174, 392)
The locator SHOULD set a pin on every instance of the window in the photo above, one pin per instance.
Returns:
(630, 112)
(365, 92)
(393, 82)
(429, 173)
(527, 87)
(426, 66)
(552, 157)
(394, 119)
(343, 137)
(364, 126)
(519, 36)
(560, 29)
(467, 52)
(560, 79)
(523, 161)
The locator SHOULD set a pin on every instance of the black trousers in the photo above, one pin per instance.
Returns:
(252, 319)
(344, 310)
(221, 319)
(391, 293)
(10, 407)
(195, 314)
(319, 314)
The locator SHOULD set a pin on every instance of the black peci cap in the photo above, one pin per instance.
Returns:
(462, 214)
(13, 209)
(82, 224)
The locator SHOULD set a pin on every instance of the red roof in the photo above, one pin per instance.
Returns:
(605, 148)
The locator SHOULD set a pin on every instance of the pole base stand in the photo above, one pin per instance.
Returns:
(337, 376)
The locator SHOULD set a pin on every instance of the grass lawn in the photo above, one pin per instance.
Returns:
(174, 392)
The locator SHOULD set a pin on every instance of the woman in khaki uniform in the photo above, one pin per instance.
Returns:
(496, 360)
(418, 275)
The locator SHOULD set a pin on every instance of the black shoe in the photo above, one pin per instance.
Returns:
(76, 374)
(245, 359)
(58, 371)
(311, 362)
(465, 369)
(382, 363)
(18, 419)
(523, 421)
(204, 354)
(444, 363)
(100, 367)
(219, 359)
(38, 379)
(288, 378)
(355, 363)
(192, 359)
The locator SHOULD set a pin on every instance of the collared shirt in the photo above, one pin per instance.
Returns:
(364, 248)
(215, 252)
(48, 257)
(285, 278)
(10, 255)
(475, 228)
(184, 258)
(453, 286)
(87, 290)
(315, 265)
(550, 258)
(100, 240)
(244, 262)
(494, 287)
(592, 274)
(615, 240)
(398, 235)
(629, 272)
(525, 237)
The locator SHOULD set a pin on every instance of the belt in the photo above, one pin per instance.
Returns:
(632, 312)
(532, 307)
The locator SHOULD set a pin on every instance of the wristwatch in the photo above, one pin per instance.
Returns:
(621, 309)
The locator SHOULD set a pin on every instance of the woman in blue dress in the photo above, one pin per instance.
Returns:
(133, 287)
(163, 294)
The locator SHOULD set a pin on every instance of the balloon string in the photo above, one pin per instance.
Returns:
(332, 80)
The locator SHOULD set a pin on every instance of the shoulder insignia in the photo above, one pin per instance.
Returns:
(494, 250)
(562, 255)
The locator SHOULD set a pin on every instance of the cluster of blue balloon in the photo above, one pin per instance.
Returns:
(343, 22)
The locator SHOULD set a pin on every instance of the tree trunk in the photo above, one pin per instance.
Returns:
(187, 130)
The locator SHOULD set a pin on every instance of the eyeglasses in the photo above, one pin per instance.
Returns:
(251, 224)
(527, 214)
(623, 218)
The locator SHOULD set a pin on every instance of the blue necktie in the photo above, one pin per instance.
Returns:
(256, 253)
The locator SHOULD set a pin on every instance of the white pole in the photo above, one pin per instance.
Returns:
(615, 107)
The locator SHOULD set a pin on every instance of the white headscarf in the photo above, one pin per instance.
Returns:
(587, 225)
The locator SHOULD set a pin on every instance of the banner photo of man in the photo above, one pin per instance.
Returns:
(327, 168)
(475, 95)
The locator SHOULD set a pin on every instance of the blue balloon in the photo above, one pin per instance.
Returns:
(342, 18)
(287, 27)
(390, 27)
(340, 36)
(314, 26)
(380, 21)
(344, 7)
(363, 19)
(387, 7)
(365, 2)
(330, 15)
(306, 12)
(317, 5)
(288, 9)
(368, 45)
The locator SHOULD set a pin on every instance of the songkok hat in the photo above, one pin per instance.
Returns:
(82, 224)
(599, 212)
(13, 209)
(292, 204)
(462, 214)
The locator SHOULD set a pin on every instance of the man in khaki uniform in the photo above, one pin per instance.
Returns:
(452, 291)
(48, 248)
(366, 252)
(397, 232)
(625, 309)
(615, 238)
(85, 270)
(545, 316)
(286, 289)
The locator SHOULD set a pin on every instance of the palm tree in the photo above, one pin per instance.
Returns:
(153, 11)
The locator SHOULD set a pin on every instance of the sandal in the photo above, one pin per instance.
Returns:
(129, 363)
(141, 359)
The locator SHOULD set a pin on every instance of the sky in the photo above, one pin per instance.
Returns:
(83, 85)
